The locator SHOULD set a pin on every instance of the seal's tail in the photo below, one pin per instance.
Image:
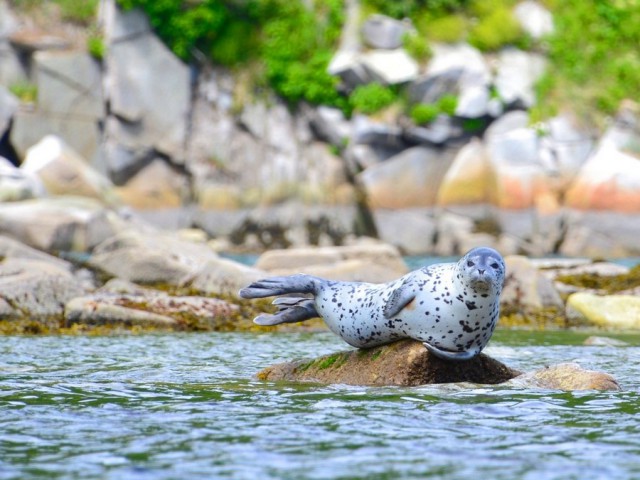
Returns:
(290, 309)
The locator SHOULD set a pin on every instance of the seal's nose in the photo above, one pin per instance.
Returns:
(481, 272)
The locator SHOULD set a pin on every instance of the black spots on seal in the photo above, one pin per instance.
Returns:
(334, 300)
(450, 331)
(484, 295)
(471, 305)
(466, 327)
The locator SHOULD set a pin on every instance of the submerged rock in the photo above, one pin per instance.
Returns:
(407, 363)
(596, 341)
(403, 363)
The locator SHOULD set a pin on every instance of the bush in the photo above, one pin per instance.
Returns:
(449, 29)
(495, 30)
(417, 46)
(448, 104)
(371, 98)
(96, 47)
(424, 113)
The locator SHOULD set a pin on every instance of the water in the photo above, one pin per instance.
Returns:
(187, 407)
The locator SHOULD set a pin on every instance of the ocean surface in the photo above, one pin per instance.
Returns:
(187, 406)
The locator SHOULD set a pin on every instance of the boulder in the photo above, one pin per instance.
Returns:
(473, 102)
(222, 277)
(566, 376)
(36, 290)
(148, 309)
(16, 184)
(12, 249)
(156, 186)
(442, 130)
(139, 121)
(380, 31)
(380, 135)
(59, 224)
(409, 179)
(11, 69)
(374, 263)
(347, 65)
(596, 341)
(150, 256)
(534, 18)
(411, 230)
(328, 125)
(611, 311)
(403, 363)
(517, 73)
(527, 288)
(390, 67)
(64, 172)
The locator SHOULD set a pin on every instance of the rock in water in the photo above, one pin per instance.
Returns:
(403, 363)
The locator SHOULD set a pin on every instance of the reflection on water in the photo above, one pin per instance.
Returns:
(187, 406)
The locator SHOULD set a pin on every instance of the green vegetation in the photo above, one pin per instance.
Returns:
(424, 113)
(448, 28)
(417, 46)
(605, 283)
(82, 12)
(96, 47)
(371, 98)
(25, 91)
(496, 28)
(595, 60)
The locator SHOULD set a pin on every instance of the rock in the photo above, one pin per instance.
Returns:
(150, 257)
(526, 288)
(568, 377)
(380, 31)
(59, 224)
(12, 249)
(409, 179)
(156, 186)
(611, 311)
(36, 290)
(380, 135)
(517, 73)
(329, 125)
(534, 18)
(443, 129)
(139, 121)
(347, 65)
(375, 263)
(65, 172)
(11, 69)
(411, 230)
(390, 67)
(473, 102)
(469, 179)
(403, 363)
(8, 107)
(222, 277)
(16, 184)
(596, 341)
(150, 310)
(593, 269)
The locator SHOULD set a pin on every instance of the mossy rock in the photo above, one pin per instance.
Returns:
(403, 363)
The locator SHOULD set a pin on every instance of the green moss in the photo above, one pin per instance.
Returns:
(371, 98)
(448, 29)
(376, 354)
(495, 29)
(604, 283)
(542, 319)
(424, 113)
(96, 47)
(25, 91)
(417, 46)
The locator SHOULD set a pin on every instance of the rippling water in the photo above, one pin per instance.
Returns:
(187, 406)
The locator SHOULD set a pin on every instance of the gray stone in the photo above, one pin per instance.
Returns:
(64, 172)
(438, 132)
(411, 230)
(379, 134)
(16, 184)
(222, 277)
(35, 290)
(59, 224)
(473, 102)
(12, 69)
(11, 248)
(526, 288)
(517, 73)
(513, 120)
(150, 257)
(133, 92)
(8, 107)
(390, 67)
(380, 31)
(534, 18)
(328, 124)
(347, 65)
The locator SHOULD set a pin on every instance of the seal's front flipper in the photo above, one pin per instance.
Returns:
(455, 356)
(290, 310)
(400, 298)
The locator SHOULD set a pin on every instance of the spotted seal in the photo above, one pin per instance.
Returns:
(452, 308)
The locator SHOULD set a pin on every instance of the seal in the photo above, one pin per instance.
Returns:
(452, 308)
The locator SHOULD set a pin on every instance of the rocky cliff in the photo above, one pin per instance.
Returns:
(186, 145)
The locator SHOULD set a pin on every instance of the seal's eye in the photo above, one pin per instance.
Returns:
(470, 263)
(495, 265)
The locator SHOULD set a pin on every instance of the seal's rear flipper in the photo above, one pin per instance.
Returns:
(455, 356)
(290, 310)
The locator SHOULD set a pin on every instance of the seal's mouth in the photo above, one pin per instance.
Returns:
(481, 282)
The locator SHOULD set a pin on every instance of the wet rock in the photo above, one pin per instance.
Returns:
(371, 263)
(611, 311)
(59, 224)
(65, 172)
(16, 184)
(566, 376)
(403, 363)
(149, 309)
(380, 31)
(36, 290)
(596, 341)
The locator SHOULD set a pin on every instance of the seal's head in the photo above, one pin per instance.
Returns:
(483, 269)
